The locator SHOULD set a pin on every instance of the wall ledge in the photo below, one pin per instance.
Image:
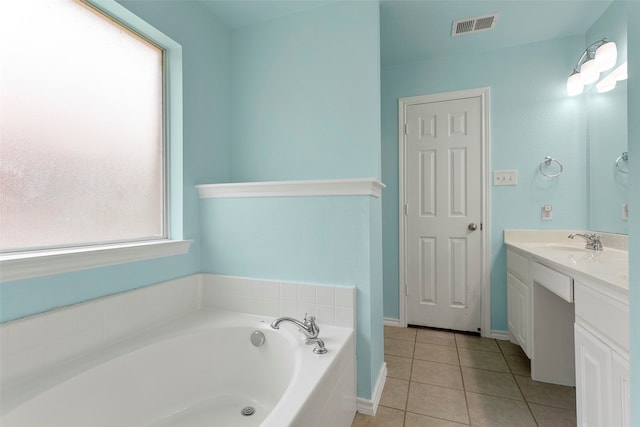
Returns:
(323, 187)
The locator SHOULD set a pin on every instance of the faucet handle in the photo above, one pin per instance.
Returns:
(310, 321)
(595, 242)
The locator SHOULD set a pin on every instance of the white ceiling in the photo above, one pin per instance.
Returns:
(417, 29)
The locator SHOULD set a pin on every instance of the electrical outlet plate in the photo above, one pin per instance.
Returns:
(506, 177)
(547, 213)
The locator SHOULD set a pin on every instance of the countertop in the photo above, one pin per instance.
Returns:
(553, 248)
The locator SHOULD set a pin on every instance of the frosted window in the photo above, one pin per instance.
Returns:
(81, 128)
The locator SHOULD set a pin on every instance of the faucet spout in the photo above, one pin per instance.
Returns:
(308, 327)
(593, 240)
(572, 235)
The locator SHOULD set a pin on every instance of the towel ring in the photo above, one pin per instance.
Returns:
(546, 162)
(623, 158)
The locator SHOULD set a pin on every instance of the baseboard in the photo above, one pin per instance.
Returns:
(388, 321)
(369, 407)
(500, 335)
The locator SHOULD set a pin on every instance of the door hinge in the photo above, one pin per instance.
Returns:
(480, 226)
(406, 209)
(405, 128)
(406, 290)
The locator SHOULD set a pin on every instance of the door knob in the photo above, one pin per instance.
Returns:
(473, 226)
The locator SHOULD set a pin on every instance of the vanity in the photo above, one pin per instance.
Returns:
(568, 308)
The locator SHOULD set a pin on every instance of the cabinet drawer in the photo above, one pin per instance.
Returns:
(610, 318)
(558, 283)
(518, 265)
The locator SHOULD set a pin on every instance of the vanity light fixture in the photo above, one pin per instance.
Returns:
(609, 82)
(599, 56)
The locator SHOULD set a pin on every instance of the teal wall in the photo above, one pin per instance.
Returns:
(305, 102)
(633, 94)
(531, 117)
(205, 156)
(321, 240)
(306, 95)
(376, 292)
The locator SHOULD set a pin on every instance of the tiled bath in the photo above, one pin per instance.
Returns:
(39, 342)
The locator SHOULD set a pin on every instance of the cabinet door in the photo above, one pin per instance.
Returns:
(621, 409)
(593, 380)
(519, 310)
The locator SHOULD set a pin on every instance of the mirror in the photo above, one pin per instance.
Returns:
(608, 180)
(607, 134)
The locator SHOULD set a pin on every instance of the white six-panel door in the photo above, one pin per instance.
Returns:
(443, 213)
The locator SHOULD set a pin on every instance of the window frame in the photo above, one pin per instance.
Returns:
(37, 263)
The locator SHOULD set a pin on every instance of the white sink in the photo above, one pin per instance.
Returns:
(608, 264)
(566, 247)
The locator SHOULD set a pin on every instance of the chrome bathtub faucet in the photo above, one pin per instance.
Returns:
(593, 240)
(308, 327)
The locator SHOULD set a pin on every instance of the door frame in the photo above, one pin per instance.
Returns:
(485, 292)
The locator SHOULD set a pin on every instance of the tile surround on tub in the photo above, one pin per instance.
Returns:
(37, 342)
(332, 305)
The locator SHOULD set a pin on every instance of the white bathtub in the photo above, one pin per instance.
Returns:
(201, 370)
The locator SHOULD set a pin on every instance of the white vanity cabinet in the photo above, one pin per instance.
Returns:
(519, 301)
(519, 311)
(602, 382)
(602, 356)
(568, 308)
(593, 379)
(621, 395)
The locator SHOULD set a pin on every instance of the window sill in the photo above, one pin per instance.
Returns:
(45, 263)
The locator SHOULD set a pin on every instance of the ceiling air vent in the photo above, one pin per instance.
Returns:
(473, 25)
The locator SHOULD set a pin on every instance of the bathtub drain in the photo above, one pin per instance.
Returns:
(248, 411)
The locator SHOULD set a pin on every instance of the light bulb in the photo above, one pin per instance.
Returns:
(606, 85)
(621, 72)
(589, 72)
(606, 56)
(574, 84)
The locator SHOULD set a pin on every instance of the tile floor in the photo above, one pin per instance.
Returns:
(445, 379)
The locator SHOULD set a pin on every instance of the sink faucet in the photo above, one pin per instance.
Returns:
(593, 240)
(308, 327)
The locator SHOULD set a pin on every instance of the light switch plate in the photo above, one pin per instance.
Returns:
(547, 213)
(506, 177)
